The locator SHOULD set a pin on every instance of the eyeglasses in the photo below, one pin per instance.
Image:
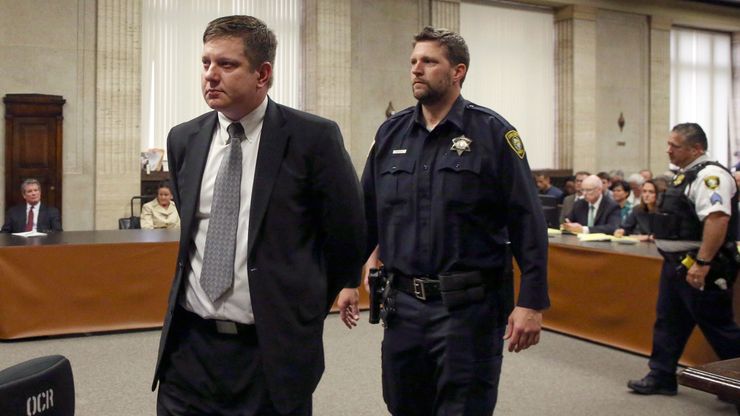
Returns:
(588, 190)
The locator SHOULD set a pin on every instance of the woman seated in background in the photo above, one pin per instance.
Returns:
(637, 223)
(160, 212)
(621, 193)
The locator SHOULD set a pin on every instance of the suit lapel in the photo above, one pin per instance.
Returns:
(198, 146)
(273, 140)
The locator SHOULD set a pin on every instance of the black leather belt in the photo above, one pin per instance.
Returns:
(216, 325)
(420, 287)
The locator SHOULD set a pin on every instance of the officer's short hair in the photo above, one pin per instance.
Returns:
(692, 133)
(29, 181)
(260, 42)
(457, 49)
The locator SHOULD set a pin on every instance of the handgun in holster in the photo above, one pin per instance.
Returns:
(377, 281)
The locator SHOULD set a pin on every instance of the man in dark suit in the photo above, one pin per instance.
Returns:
(272, 229)
(595, 213)
(33, 215)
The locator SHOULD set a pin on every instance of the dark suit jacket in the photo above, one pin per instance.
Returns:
(607, 219)
(638, 222)
(305, 240)
(16, 218)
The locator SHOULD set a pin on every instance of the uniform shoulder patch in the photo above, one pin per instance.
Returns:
(712, 182)
(515, 142)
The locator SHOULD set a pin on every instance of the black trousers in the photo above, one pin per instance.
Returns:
(680, 307)
(210, 373)
(440, 362)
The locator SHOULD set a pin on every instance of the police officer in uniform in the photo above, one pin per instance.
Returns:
(447, 186)
(692, 231)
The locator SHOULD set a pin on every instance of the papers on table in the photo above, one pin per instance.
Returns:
(607, 238)
(555, 231)
(30, 234)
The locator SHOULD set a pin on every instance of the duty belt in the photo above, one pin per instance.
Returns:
(421, 287)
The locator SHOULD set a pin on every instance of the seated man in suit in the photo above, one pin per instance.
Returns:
(33, 215)
(599, 213)
(569, 200)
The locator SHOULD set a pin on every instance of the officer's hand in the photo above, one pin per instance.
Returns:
(697, 275)
(523, 329)
(349, 309)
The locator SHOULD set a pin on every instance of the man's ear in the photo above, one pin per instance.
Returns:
(459, 72)
(265, 74)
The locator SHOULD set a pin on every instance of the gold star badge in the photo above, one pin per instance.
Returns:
(461, 144)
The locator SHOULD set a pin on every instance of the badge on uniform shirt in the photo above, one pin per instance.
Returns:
(461, 144)
(712, 182)
(715, 199)
(515, 142)
(678, 179)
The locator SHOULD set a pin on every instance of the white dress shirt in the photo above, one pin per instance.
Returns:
(596, 209)
(236, 304)
(36, 209)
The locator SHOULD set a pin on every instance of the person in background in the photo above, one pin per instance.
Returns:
(160, 212)
(606, 182)
(635, 181)
(695, 233)
(615, 176)
(546, 188)
(637, 223)
(646, 174)
(595, 213)
(621, 195)
(661, 183)
(32, 215)
(569, 188)
(569, 200)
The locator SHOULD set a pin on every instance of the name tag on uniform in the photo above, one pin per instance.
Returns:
(399, 151)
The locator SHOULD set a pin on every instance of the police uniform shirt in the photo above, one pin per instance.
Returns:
(711, 191)
(447, 199)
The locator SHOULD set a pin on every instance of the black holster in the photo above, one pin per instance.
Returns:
(462, 288)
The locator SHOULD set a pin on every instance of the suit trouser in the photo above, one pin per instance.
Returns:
(680, 307)
(440, 362)
(211, 373)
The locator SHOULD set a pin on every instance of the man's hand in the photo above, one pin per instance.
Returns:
(573, 227)
(349, 309)
(523, 329)
(696, 276)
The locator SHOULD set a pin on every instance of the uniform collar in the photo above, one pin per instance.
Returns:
(701, 159)
(454, 116)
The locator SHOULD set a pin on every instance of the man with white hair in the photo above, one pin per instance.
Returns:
(635, 180)
(595, 213)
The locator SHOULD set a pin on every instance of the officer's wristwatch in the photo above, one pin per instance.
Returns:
(701, 262)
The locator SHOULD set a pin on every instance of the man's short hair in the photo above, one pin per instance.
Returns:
(622, 184)
(29, 181)
(582, 173)
(260, 42)
(603, 175)
(692, 133)
(457, 49)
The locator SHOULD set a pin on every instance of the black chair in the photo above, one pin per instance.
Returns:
(134, 222)
(41, 386)
(551, 210)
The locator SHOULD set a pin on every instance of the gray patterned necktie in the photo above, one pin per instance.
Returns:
(217, 275)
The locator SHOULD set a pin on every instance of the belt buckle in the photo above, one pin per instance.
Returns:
(419, 291)
(226, 327)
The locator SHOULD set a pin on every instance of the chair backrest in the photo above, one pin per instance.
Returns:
(42, 386)
(548, 200)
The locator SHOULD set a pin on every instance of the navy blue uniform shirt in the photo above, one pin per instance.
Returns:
(437, 203)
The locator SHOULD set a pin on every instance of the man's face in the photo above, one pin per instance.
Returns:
(543, 182)
(229, 83)
(591, 189)
(679, 151)
(579, 182)
(432, 75)
(32, 194)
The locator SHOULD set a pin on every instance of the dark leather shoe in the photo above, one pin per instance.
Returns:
(651, 385)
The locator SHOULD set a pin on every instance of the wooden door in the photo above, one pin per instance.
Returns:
(33, 146)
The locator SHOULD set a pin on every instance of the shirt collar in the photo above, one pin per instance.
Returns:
(454, 116)
(28, 206)
(251, 122)
(700, 159)
(597, 203)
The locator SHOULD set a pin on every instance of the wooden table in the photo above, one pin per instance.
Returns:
(721, 378)
(87, 281)
(607, 292)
